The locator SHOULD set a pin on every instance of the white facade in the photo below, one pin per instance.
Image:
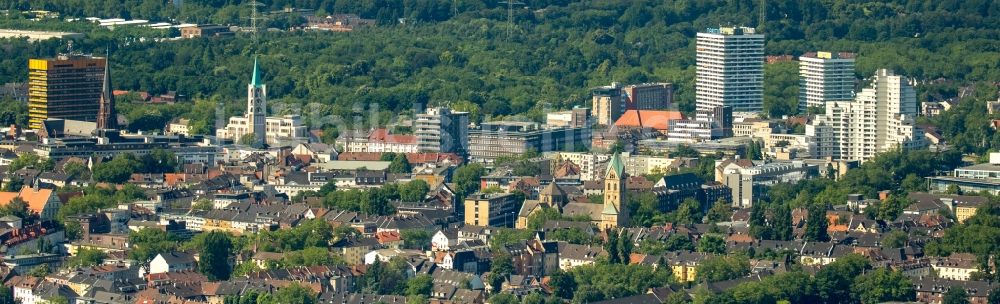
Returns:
(160, 265)
(278, 129)
(442, 130)
(881, 118)
(730, 69)
(825, 76)
(589, 163)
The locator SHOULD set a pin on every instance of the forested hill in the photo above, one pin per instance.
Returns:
(458, 51)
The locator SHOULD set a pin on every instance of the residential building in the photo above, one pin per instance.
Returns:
(495, 210)
(380, 141)
(442, 130)
(265, 130)
(881, 118)
(43, 202)
(575, 118)
(730, 69)
(636, 165)
(930, 289)
(607, 103)
(173, 261)
(957, 266)
(825, 76)
(510, 138)
(67, 87)
(649, 96)
(589, 163)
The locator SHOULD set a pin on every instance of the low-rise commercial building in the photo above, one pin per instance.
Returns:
(507, 138)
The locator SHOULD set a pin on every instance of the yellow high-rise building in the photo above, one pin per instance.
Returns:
(67, 87)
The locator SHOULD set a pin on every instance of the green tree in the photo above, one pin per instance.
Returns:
(782, 223)
(399, 164)
(504, 298)
(677, 242)
(955, 295)
(420, 285)
(689, 212)
(414, 191)
(537, 220)
(40, 271)
(758, 222)
(466, 179)
(721, 268)
(882, 285)
(292, 294)
(86, 257)
(721, 211)
(7, 296)
(816, 224)
(712, 244)
(148, 242)
(215, 250)
(563, 284)
(118, 170)
(16, 207)
(895, 239)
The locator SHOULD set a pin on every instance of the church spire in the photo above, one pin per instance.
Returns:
(107, 118)
(256, 75)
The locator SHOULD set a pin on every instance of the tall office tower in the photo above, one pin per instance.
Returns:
(107, 118)
(67, 87)
(880, 118)
(257, 108)
(649, 96)
(608, 104)
(441, 130)
(825, 76)
(730, 69)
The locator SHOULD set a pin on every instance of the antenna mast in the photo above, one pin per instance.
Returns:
(510, 15)
(763, 14)
(254, 16)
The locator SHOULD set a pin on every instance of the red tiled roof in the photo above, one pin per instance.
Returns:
(422, 158)
(362, 156)
(382, 135)
(657, 120)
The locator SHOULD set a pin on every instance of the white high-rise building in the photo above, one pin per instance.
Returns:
(730, 69)
(825, 76)
(879, 119)
(441, 130)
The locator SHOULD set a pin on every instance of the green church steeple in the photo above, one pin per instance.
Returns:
(256, 75)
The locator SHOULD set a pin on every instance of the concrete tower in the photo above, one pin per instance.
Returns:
(257, 108)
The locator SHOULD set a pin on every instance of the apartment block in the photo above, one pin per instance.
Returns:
(730, 69)
(879, 119)
(442, 130)
(825, 76)
(494, 210)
